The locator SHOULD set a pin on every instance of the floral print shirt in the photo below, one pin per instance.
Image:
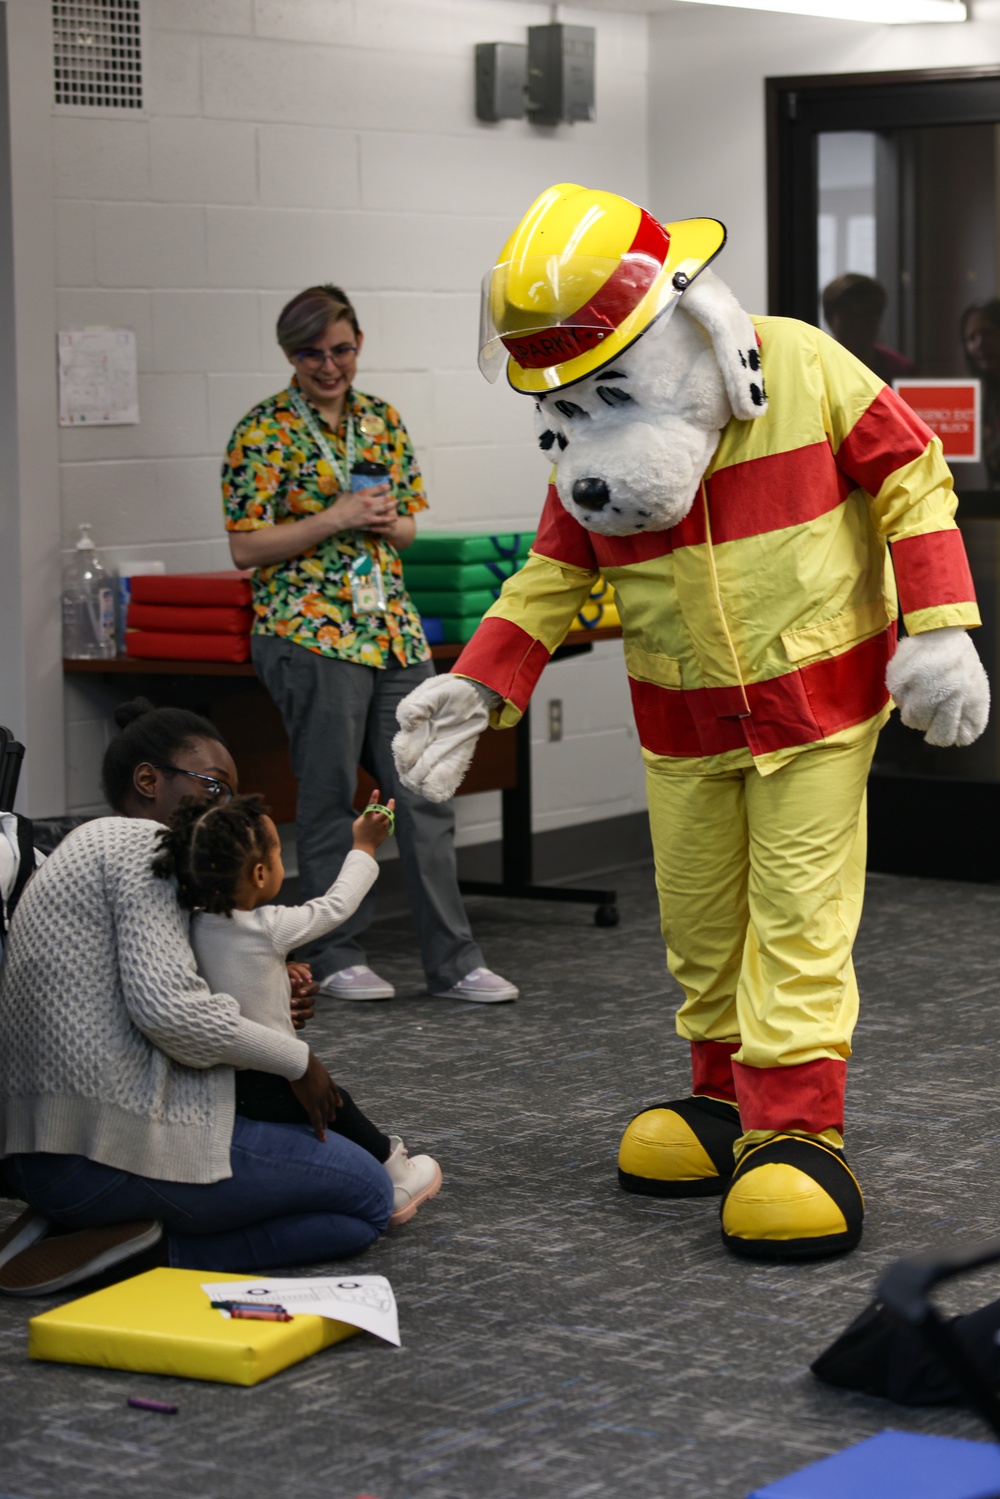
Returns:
(274, 472)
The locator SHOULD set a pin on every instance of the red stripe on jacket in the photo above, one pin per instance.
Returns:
(778, 490)
(932, 570)
(889, 435)
(503, 656)
(561, 537)
(800, 707)
(745, 499)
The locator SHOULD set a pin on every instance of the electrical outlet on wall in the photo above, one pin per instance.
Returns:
(555, 719)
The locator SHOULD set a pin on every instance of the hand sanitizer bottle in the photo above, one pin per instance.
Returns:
(87, 604)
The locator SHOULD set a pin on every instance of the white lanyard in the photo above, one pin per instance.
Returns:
(303, 411)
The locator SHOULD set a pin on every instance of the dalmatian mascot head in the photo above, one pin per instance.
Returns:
(636, 355)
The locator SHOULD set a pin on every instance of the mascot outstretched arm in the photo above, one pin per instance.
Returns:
(741, 482)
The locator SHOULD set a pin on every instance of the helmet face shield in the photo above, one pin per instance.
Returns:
(545, 311)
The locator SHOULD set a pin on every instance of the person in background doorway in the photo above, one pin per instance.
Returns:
(980, 327)
(336, 641)
(854, 306)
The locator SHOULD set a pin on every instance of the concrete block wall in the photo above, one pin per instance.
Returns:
(290, 141)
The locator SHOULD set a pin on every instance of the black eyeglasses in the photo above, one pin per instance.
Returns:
(219, 791)
(315, 359)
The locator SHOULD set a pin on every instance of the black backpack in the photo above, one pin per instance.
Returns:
(20, 832)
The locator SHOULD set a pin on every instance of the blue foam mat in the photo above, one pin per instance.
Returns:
(897, 1465)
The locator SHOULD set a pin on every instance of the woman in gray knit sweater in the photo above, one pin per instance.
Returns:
(117, 1113)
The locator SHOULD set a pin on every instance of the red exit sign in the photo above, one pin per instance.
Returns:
(951, 410)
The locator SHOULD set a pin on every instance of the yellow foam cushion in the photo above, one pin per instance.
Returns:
(163, 1323)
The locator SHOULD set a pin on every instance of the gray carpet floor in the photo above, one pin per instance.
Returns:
(562, 1340)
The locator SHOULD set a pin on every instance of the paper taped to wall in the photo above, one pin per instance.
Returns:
(98, 378)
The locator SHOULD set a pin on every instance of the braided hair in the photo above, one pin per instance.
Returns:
(208, 850)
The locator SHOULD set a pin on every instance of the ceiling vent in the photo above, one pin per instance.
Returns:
(97, 54)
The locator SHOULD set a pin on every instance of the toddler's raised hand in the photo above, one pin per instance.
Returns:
(375, 824)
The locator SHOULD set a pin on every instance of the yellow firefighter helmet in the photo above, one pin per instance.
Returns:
(583, 274)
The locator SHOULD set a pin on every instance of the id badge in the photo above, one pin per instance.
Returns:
(367, 587)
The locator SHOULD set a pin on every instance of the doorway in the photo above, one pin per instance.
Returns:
(894, 180)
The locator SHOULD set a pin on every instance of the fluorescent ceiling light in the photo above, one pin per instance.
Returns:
(880, 12)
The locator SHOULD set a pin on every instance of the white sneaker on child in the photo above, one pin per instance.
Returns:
(414, 1180)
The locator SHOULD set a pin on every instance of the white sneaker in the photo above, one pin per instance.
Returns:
(358, 982)
(414, 1179)
(26, 1230)
(482, 987)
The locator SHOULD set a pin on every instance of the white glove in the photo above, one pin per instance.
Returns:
(940, 686)
(439, 723)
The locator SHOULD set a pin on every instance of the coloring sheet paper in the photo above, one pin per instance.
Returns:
(364, 1301)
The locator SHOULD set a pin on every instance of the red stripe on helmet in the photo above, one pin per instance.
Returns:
(621, 294)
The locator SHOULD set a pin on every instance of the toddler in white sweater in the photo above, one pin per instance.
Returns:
(226, 860)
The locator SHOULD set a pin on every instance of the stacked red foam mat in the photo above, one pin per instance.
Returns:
(190, 617)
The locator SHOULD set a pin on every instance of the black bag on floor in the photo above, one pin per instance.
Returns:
(18, 861)
(902, 1349)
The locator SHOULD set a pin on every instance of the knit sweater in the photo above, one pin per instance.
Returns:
(111, 1046)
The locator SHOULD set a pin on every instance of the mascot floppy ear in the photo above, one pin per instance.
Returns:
(734, 339)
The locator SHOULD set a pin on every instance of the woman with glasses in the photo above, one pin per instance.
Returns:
(118, 1114)
(336, 640)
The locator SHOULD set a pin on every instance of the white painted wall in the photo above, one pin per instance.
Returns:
(292, 141)
(707, 69)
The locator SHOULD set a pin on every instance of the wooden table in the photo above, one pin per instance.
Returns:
(230, 696)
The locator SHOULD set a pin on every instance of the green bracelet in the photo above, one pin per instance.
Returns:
(388, 812)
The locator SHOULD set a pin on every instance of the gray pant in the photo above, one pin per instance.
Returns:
(339, 715)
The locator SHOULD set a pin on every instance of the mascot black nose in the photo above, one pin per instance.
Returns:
(591, 494)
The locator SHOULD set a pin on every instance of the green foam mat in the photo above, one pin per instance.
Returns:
(469, 546)
(457, 603)
(464, 577)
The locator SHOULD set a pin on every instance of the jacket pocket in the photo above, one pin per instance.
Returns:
(651, 666)
(830, 636)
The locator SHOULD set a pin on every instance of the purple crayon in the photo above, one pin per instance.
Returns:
(140, 1404)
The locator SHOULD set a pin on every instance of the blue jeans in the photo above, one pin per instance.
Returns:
(291, 1200)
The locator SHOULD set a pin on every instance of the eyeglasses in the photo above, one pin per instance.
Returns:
(219, 791)
(315, 359)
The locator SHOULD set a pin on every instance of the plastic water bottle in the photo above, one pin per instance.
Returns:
(88, 604)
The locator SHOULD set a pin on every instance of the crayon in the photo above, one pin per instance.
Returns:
(140, 1404)
(247, 1306)
(260, 1314)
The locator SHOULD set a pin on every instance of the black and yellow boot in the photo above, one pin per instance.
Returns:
(792, 1197)
(680, 1149)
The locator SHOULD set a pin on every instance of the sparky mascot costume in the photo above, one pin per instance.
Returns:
(738, 481)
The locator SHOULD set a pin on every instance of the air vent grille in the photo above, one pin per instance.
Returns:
(97, 53)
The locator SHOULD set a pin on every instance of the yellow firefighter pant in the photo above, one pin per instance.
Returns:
(761, 882)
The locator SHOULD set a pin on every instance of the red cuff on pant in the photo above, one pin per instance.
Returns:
(712, 1069)
(809, 1097)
